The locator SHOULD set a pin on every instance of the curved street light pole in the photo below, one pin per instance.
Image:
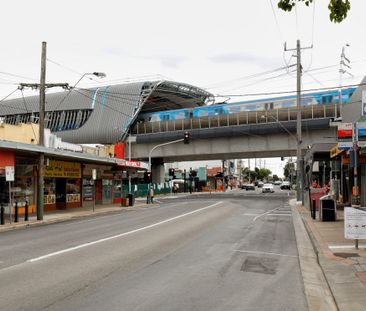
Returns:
(150, 154)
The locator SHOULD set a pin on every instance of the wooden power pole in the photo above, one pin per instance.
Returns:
(42, 107)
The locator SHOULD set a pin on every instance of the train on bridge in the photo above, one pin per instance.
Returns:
(318, 98)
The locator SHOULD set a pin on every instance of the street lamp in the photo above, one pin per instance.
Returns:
(95, 73)
(150, 154)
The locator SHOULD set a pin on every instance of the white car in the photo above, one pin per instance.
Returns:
(267, 188)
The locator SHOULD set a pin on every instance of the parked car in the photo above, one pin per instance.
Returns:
(260, 184)
(278, 182)
(267, 188)
(285, 185)
(250, 187)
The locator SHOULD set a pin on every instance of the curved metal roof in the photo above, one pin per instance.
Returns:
(113, 108)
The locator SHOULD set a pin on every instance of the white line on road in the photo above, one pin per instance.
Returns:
(255, 218)
(263, 253)
(66, 250)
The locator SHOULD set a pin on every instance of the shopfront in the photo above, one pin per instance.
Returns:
(62, 185)
(100, 190)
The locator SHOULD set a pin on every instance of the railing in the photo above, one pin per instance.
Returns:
(241, 118)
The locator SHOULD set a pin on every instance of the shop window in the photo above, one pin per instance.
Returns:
(23, 187)
(73, 187)
(49, 191)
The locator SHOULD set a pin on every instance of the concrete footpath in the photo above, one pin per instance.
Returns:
(341, 285)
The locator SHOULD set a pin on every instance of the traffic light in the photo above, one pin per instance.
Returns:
(186, 138)
(147, 177)
(171, 172)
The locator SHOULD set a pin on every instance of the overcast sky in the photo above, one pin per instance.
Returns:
(212, 44)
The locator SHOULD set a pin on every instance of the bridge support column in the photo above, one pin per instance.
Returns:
(158, 171)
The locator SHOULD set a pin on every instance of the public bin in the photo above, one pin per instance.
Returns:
(327, 208)
(131, 199)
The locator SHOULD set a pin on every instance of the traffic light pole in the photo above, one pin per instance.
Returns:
(150, 154)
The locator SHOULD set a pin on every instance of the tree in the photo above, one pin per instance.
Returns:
(263, 173)
(275, 177)
(338, 9)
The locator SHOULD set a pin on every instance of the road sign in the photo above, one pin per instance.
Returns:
(9, 173)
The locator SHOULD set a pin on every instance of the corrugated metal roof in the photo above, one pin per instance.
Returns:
(114, 108)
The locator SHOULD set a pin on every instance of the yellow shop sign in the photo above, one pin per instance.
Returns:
(63, 169)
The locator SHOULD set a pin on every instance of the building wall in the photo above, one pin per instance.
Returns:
(21, 133)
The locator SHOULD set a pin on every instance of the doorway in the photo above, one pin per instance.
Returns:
(61, 193)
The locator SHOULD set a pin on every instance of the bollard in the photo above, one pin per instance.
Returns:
(26, 211)
(313, 210)
(2, 214)
(16, 212)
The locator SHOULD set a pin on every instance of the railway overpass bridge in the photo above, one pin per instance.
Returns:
(249, 134)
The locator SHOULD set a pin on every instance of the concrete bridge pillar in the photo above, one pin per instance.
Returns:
(158, 170)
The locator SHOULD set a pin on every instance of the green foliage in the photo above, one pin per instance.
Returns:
(263, 173)
(275, 177)
(338, 9)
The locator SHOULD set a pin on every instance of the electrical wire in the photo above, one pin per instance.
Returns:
(16, 76)
(276, 20)
(256, 75)
(289, 92)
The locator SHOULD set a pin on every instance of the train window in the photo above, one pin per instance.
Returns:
(327, 99)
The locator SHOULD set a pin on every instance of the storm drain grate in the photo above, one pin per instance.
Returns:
(260, 265)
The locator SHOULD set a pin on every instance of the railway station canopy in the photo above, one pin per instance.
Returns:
(102, 115)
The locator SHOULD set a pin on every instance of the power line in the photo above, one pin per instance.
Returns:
(289, 92)
(277, 24)
(16, 76)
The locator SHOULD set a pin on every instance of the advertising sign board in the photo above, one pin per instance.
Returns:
(345, 131)
(9, 173)
(363, 104)
(345, 145)
(354, 223)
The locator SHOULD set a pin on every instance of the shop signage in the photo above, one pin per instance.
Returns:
(345, 145)
(6, 158)
(363, 105)
(335, 151)
(9, 173)
(63, 169)
(345, 131)
(354, 223)
(361, 134)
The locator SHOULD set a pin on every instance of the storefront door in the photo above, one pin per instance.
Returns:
(60, 193)
(107, 191)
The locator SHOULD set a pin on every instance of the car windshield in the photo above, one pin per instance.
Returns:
(268, 185)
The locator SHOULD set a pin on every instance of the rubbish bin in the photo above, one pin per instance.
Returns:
(327, 208)
(131, 199)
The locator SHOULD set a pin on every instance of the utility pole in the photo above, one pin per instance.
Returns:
(299, 161)
(42, 106)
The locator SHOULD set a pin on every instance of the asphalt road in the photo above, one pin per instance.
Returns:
(234, 251)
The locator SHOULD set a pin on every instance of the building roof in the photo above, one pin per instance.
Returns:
(104, 114)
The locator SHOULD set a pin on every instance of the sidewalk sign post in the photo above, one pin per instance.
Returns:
(9, 176)
(94, 174)
(354, 224)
